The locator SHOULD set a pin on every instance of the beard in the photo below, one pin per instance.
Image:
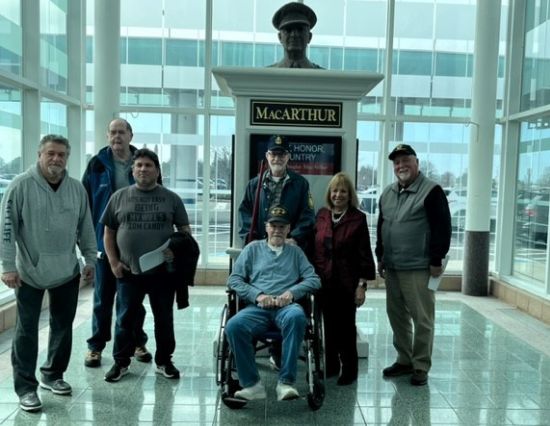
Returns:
(55, 170)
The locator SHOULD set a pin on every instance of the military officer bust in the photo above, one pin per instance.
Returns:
(294, 21)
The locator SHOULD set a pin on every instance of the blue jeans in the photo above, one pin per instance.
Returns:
(250, 323)
(104, 298)
(62, 302)
(131, 291)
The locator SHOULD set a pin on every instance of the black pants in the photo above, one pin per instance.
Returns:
(131, 291)
(62, 300)
(339, 311)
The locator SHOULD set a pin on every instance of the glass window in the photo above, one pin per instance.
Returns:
(237, 54)
(413, 63)
(222, 129)
(368, 190)
(11, 40)
(53, 44)
(10, 146)
(161, 56)
(265, 54)
(442, 150)
(182, 52)
(532, 201)
(421, 86)
(536, 65)
(363, 59)
(454, 64)
(144, 51)
(53, 117)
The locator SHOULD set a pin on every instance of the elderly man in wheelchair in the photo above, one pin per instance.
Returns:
(271, 277)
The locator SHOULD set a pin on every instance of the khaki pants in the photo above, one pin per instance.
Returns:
(410, 306)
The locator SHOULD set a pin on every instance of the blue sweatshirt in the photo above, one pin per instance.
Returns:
(258, 270)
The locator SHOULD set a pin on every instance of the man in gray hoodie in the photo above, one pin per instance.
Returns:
(44, 216)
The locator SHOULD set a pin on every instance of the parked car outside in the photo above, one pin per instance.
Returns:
(368, 200)
(535, 218)
(457, 205)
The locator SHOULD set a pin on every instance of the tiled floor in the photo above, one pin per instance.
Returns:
(491, 367)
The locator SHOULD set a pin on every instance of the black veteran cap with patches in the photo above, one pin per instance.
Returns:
(401, 149)
(277, 143)
(294, 13)
(278, 214)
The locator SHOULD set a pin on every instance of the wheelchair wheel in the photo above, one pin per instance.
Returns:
(231, 384)
(316, 398)
(225, 368)
(316, 362)
(222, 350)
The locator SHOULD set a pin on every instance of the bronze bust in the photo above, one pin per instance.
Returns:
(294, 21)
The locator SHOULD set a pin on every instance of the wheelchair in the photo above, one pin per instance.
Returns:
(313, 354)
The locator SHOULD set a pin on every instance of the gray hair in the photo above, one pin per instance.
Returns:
(56, 139)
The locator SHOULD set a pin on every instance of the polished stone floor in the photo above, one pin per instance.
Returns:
(491, 367)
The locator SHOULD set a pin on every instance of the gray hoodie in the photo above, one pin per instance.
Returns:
(41, 228)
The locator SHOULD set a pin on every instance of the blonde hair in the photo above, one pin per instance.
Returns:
(341, 179)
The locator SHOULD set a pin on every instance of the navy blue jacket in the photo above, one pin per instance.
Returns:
(295, 197)
(99, 181)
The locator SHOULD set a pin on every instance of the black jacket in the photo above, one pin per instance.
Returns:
(186, 256)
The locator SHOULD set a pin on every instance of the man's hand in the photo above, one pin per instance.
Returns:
(381, 269)
(266, 301)
(11, 279)
(88, 274)
(284, 299)
(119, 269)
(360, 295)
(436, 271)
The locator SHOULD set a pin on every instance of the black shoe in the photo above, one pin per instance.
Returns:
(332, 370)
(93, 359)
(168, 370)
(419, 378)
(142, 354)
(397, 369)
(345, 380)
(59, 386)
(30, 402)
(115, 373)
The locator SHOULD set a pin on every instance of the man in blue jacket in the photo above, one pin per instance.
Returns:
(279, 186)
(107, 172)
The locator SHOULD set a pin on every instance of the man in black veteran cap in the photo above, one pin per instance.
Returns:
(270, 276)
(413, 238)
(294, 22)
(278, 185)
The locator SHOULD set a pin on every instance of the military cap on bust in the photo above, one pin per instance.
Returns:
(278, 214)
(277, 143)
(402, 149)
(294, 13)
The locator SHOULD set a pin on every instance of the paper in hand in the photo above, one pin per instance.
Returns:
(153, 258)
(433, 283)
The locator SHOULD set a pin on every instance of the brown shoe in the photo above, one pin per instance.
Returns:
(142, 354)
(419, 378)
(397, 369)
(93, 359)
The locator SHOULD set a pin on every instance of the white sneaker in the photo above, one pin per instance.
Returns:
(286, 392)
(253, 392)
